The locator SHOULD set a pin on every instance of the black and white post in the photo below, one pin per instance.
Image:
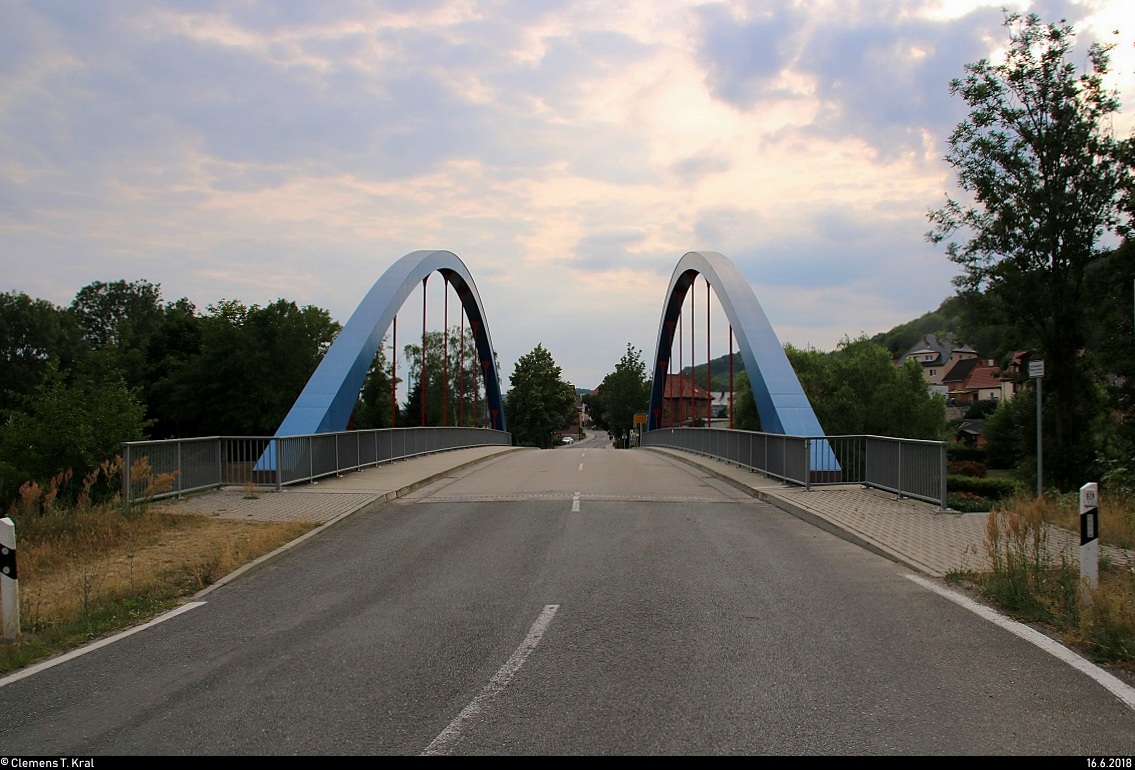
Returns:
(1089, 535)
(9, 582)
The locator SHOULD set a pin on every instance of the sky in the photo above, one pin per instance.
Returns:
(568, 152)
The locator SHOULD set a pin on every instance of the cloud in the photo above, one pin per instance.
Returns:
(745, 57)
(570, 151)
(878, 71)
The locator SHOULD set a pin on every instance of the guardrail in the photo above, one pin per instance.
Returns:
(905, 467)
(173, 467)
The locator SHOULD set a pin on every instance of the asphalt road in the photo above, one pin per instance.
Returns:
(577, 601)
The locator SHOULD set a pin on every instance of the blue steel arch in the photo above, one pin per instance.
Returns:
(326, 403)
(781, 403)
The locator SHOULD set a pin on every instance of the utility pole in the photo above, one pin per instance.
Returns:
(1036, 371)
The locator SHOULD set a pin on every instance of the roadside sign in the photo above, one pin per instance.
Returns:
(1036, 368)
(640, 418)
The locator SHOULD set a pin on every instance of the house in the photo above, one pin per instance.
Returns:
(1016, 373)
(970, 433)
(973, 379)
(721, 404)
(937, 357)
(683, 402)
(579, 418)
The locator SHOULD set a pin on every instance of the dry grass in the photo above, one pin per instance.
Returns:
(155, 555)
(90, 569)
(1116, 515)
(1036, 579)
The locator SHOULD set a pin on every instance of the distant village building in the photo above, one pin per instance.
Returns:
(973, 379)
(684, 402)
(970, 433)
(962, 376)
(937, 357)
(721, 405)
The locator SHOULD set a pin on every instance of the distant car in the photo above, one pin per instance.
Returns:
(567, 440)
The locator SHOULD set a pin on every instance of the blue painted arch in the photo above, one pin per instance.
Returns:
(326, 403)
(781, 403)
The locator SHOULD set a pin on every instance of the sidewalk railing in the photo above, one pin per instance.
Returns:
(904, 467)
(174, 467)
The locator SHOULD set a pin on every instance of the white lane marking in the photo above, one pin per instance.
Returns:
(451, 734)
(1116, 686)
(581, 466)
(575, 503)
(96, 645)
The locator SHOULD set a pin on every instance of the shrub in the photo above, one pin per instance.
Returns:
(991, 489)
(956, 452)
(970, 468)
(982, 409)
(967, 502)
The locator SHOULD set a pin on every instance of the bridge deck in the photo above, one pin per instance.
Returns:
(906, 531)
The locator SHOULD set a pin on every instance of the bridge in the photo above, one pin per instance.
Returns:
(587, 600)
(314, 441)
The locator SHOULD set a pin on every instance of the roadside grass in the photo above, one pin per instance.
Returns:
(1034, 577)
(97, 566)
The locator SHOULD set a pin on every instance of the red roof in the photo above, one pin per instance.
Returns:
(688, 390)
(984, 377)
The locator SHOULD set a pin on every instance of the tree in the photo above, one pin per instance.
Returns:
(69, 424)
(119, 318)
(453, 382)
(858, 390)
(539, 401)
(373, 409)
(745, 415)
(252, 365)
(170, 349)
(623, 393)
(1112, 356)
(34, 337)
(1046, 180)
(116, 313)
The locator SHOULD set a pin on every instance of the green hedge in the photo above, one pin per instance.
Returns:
(990, 489)
(956, 452)
(964, 502)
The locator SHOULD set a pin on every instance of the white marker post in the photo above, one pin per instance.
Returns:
(1089, 536)
(9, 582)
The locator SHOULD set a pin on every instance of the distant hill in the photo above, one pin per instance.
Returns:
(720, 371)
(957, 318)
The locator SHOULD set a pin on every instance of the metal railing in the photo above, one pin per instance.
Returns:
(174, 467)
(905, 467)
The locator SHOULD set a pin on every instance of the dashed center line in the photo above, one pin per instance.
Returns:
(581, 466)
